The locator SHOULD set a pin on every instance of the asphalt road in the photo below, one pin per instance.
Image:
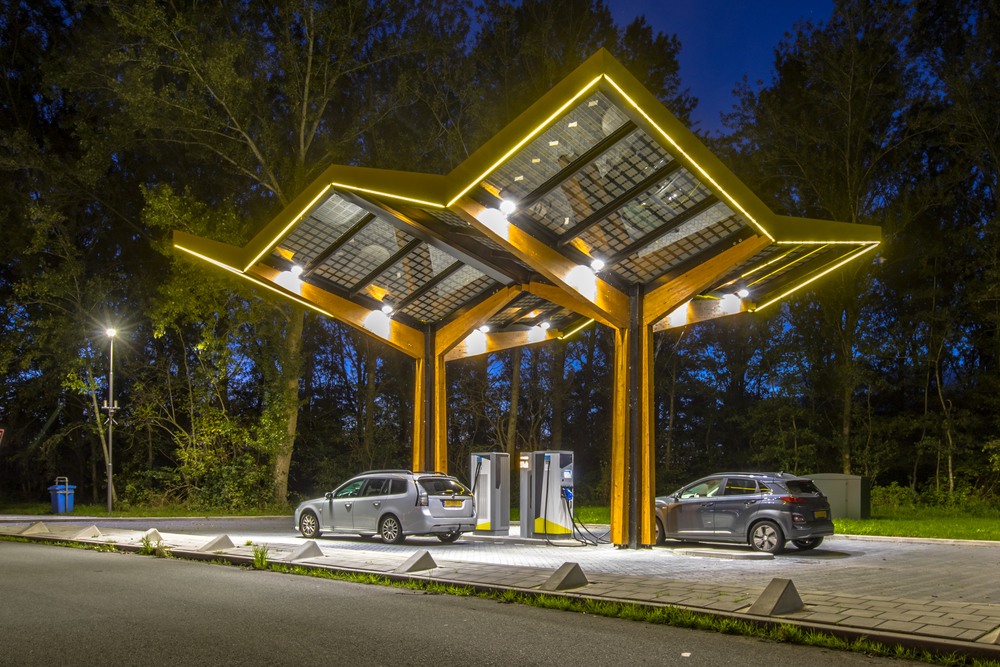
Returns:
(68, 606)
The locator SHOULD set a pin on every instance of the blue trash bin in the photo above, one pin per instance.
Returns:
(62, 496)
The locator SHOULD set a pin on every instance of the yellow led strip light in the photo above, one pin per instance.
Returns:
(687, 157)
(565, 336)
(287, 295)
(851, 256)
(767, 264)
(283, 231)
(386, 194)
(525, 140)
(786, 266)
(826, 242)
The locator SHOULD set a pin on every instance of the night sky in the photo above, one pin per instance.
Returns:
(721, 41)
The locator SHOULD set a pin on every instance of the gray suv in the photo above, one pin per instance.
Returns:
(761, 509)
(393, 504)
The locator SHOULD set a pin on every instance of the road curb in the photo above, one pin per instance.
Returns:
(935, 645)
(918, 540)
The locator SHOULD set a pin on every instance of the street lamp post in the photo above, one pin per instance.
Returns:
(110, 405)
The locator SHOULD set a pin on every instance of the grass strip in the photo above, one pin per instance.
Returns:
(665, 615)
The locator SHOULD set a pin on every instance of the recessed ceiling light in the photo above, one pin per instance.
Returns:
(296, 270)
(387, 309)
(597, 264)
(484, 329)
(507, 207)
(544, 325)
(743, 293)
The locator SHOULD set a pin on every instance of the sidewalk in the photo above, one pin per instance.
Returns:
(968, 628)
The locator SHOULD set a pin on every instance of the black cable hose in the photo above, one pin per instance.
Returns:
(545, 518)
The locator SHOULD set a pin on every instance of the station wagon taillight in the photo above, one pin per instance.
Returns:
(423, 500)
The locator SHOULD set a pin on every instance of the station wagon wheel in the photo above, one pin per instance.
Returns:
(808, 543)
(450, 537)
(661, 537)
(767, 537)
(309, 525)
(392, 532)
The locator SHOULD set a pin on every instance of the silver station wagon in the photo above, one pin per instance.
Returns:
(393, 504)
(762, 509)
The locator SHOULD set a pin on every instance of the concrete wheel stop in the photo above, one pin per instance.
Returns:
(218, 543)
(153, 535)
(421, 560)
(990, 638)
(35, 528)
(306, 551)
(780, 597)
(569, 575)
(88, 533)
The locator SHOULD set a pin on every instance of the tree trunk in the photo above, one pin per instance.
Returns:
(558, 389)
(845, 441)
(515, 381)
(293, 362)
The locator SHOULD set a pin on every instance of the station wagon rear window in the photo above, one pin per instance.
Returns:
(801, 486)
(443, 486)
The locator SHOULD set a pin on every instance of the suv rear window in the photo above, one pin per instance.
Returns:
(443, 486)
(802, 486)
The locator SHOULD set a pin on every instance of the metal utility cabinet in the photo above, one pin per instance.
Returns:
(849, 495)
(547, 494)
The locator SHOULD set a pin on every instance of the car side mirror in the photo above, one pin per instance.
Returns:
(329, 495)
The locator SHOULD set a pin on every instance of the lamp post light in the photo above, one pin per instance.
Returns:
(110, 405)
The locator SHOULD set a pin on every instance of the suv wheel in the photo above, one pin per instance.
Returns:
(391, 531)
(808, 543)
(309, 525)
(767, 537)
(661, 537)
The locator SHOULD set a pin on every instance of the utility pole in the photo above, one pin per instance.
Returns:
(110, 405)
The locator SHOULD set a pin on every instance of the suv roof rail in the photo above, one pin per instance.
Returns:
(374, 472)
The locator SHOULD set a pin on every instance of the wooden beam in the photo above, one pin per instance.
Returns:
(619, 440)
(647, 440)
(454, 332)
(666, 298)
(419, 414)
(702, 310)
(477, 343)
(561, 297)
(577, 280)
(373, 322)
(440, 398)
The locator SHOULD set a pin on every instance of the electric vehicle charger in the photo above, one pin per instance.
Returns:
(567, 498)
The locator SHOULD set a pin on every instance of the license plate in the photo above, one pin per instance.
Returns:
(821, 514)
(452, 503)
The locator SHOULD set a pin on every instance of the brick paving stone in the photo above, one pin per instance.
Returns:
(862, 622)
(935, 620)
(970, 635)
(899, 615)
(859, 613)
(939, 631)
(975, 625)
(899, 626)
(827, 618)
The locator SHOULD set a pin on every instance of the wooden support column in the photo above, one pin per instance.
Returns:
(619, 440)
(633, 460)
(439, 458)
(419, 414)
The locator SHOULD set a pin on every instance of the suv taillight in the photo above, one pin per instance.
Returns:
(794, 500)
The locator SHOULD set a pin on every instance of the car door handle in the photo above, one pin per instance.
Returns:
(708, 504)
(347, 506)
(750, 502)
(377, 503)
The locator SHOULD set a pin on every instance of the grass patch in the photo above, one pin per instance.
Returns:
(600, 515)
(956, 528)
(41, 509)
